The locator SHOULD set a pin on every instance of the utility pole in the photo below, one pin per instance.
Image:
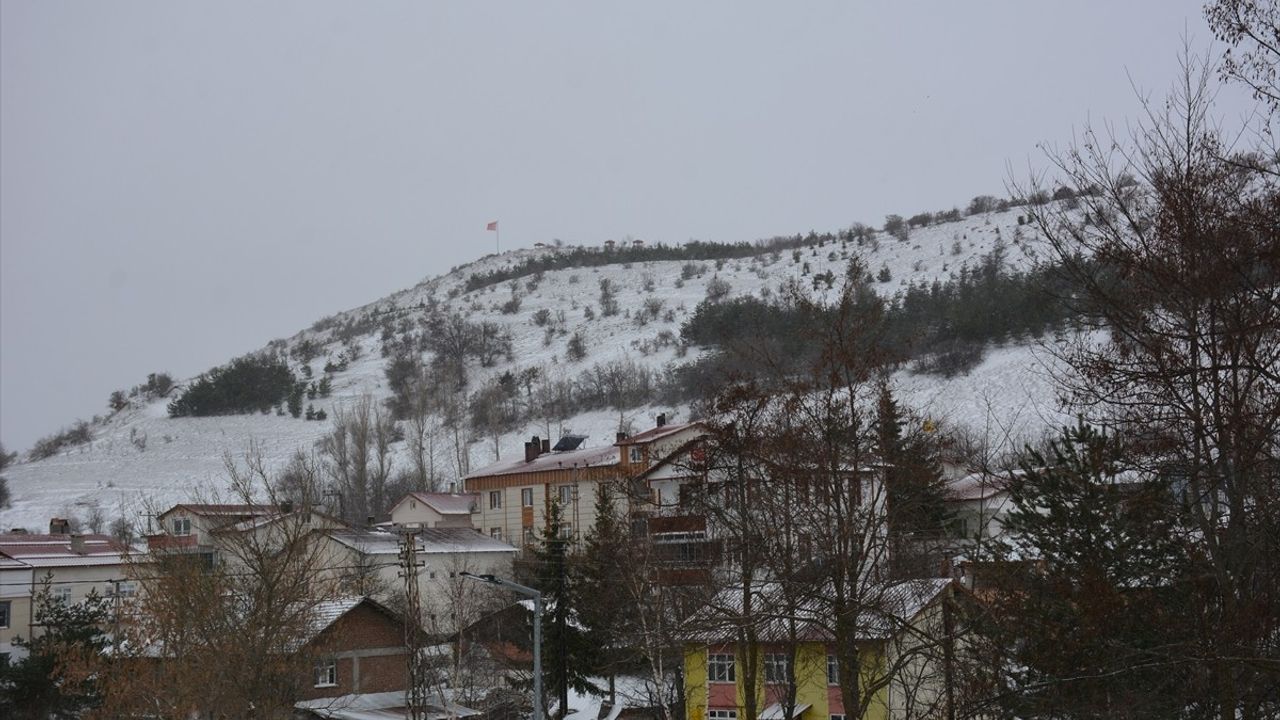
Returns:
(537, 631)
(416, 694)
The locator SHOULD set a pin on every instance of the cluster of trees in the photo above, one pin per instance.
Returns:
(157, 385)
(1156, 593)
(79, 433)
(944, 326)
(250, 383)
(593, 257)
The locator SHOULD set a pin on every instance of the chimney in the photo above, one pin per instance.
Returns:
(621, 436)
(453, 488)
(368, 521)
(662, 419)
(286, 507)
(59, 526)
(546, 445)
(530, 452)
(77, 544)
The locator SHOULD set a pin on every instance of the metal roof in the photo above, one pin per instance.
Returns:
(445, 503)
(430, 541)
(552, 461)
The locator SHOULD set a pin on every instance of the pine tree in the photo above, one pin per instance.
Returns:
(1101, 604)
(604, 604)
(51, 680)
(914, 488)
(295, 400)
(567, 654)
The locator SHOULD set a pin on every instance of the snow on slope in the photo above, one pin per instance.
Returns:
(1007, 396)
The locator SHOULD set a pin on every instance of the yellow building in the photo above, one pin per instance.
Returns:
(901, 650)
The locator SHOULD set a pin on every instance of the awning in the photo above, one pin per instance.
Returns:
(776, 712)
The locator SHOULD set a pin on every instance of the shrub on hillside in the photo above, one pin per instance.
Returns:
(247, 384)
(717, 289)
(77, 434)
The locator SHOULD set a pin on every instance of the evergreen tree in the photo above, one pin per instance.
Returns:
(567, 653)
(915, 491)
(1092, 626)
(295, 400)
(51, 681)
(604, 603)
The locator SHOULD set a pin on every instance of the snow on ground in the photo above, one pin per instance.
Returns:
(140, 457)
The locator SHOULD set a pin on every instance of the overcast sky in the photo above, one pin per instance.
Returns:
(182, 182)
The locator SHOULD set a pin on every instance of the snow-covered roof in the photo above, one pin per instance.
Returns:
(216, 510)
(253, 523)
(56, 550)
(445, 503)
(589, 457)
(657, 433)
(976, 486)
(376, 706)
(430, 541)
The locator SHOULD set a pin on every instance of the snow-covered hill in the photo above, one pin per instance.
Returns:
(139, 456)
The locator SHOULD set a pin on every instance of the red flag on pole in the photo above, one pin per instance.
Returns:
(492, 226)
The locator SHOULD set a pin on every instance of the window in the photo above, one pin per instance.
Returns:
(776, 667)
(637, 455)
(833, 670)
(495, 499)
(327, 673)
(62, 595)
(528, 536)
(838, 717)
(720, 669)
(182, 526)
(566, 531)
(495, 533)
(4, 614)
(526, 497)
(566, 494)
(127, 589)
(722, 715)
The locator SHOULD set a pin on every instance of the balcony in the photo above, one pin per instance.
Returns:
(677, 524)
(171, 543)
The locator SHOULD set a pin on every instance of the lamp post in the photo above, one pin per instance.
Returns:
(537, 631)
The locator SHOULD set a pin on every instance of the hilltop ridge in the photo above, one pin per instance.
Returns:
(139, 455)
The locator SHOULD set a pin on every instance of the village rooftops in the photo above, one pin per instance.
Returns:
(446, 503)
(62, 550)
(654, 434)
(232, 511)
(376, 706)
(430, 541)
(587, 458)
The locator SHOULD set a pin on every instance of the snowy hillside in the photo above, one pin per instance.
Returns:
(140, 456)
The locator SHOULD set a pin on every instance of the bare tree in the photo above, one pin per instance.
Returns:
(356, 459)
(228, 638)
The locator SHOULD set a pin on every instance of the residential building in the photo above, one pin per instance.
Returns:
(359, 648)
(978, 503)
(73, 565)
(902, 647)
(212, 531)
(432, 510)
(368, 562)
(514, 495)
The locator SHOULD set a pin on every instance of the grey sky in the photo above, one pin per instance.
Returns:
(181, 182)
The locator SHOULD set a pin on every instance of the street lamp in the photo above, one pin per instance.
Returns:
(537, 631)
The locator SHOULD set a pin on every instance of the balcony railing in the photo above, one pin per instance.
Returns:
(171, 542)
